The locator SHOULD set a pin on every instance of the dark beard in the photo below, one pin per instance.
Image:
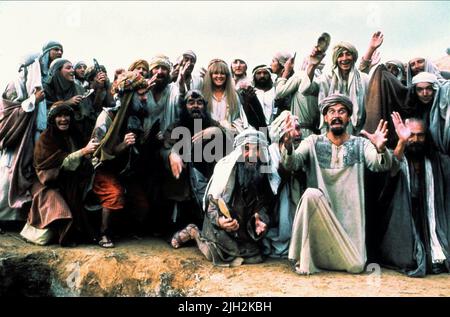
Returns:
(159, 86)
(249, 175)
(186, 120)
(263, 84)
(415, 151)
(337, 131)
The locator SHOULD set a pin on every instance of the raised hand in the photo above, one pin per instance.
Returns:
(316, 56)
(403, 132)
(378, 138)
(376, 40)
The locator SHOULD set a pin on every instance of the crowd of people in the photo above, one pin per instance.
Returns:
(329, 171)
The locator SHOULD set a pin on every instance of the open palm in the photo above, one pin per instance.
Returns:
(403, 132)
(378, 138)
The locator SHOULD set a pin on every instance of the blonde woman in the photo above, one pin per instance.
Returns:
(223, 100)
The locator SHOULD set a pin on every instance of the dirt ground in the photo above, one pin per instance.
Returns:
(150, 267)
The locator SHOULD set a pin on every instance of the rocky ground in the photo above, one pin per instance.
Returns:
(150, 267)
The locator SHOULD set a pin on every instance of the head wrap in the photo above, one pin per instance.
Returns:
(261, 67)
(250, 136)
(344, 46)
(51, 45)
(78, 64)
(128, 81)
(424, 77)
(139, 63)
(282, 57)
(400, 67)
(160, 60)
(56, 65)
(191, 54)
(334, 99)
(58, 108)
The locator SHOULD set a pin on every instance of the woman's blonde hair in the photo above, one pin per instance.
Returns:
(219, 66)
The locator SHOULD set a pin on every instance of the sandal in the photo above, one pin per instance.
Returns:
(323, 42)
(183, 236)
(105, 242)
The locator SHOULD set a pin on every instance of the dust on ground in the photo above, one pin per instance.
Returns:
(150, 267)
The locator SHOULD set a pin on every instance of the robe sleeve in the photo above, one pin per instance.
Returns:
(377, 162)
(72, 161)
(297, 159)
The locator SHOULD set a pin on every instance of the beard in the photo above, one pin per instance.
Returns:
(249, 175)
(187, 119)
(415, 150)
(162, 83)
(263, 83)
(337, 131)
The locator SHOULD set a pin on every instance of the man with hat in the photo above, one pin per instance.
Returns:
(192, 146)
(238, 203)
(80, 72)
(344, 78)
(278, 62)
(50, 51)
(163, 96)
(140, 66)
(185, 64)
(329, 226)
(264, 90)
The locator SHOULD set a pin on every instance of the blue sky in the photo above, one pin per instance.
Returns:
(117, 33)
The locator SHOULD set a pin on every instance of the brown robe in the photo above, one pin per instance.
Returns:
(59, 195)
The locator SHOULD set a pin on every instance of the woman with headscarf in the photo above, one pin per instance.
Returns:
(64, 174)
(61, 86)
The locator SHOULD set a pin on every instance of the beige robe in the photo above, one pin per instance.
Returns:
(332, 216)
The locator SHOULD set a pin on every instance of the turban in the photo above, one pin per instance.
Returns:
(250, 136)
(334, 99)
(282, 57)
(51, 45)
(191, 54)
(397, 63)
(79, 64)
(344, 46)
(160, 60)
(139, 63)
(128, 81)
(261, 67)
(57, 108)
(425, 77)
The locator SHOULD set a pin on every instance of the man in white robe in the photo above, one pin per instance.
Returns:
(329, 226)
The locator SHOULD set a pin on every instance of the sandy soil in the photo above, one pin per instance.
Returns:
(150, 267)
